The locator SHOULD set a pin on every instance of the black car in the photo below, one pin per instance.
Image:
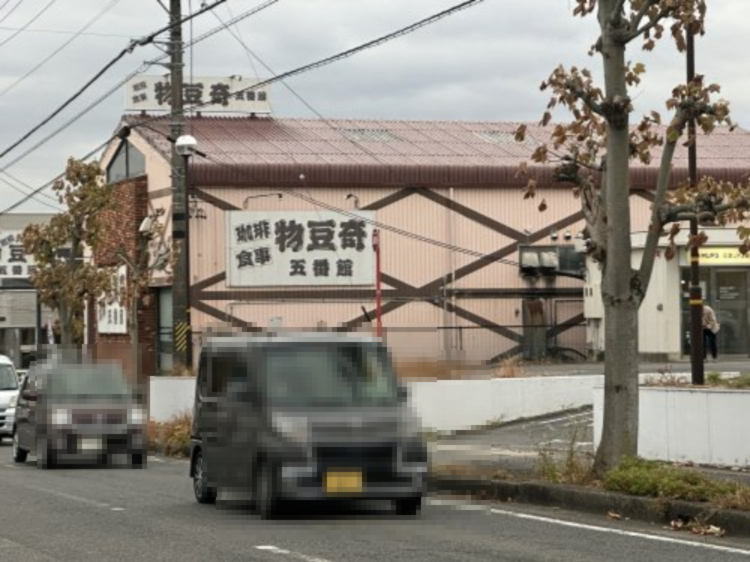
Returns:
(304, 417)
(78, 412)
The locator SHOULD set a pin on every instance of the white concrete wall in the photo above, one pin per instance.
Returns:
(169, 396)
(703, 426)
(442, 405)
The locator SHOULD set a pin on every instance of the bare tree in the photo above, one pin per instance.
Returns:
(594, 153)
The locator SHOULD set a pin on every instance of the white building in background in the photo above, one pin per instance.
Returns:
(18, 298)
(664, 316)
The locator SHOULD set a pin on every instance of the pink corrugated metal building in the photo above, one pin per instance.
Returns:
(449, 204)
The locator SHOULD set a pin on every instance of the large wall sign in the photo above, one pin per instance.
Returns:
(14, 262)
(720, 256)
(283, 248)
(224, 94)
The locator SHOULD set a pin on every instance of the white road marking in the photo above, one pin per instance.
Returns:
(70, 497)
(482, 450)
(118, 509)
(291, 554)
(156, 459)
(633, 534)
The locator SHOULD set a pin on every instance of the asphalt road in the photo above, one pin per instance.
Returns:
(95, 515)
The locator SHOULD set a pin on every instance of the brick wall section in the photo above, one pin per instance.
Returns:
(121, 230)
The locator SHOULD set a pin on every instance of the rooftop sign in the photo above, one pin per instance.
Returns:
(224, 94)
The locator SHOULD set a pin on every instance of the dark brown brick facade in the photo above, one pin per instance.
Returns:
(121, 231)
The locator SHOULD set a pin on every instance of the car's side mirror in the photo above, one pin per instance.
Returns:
(29, 395)
(402, 393)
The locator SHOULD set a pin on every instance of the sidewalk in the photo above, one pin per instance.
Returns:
(516, 447)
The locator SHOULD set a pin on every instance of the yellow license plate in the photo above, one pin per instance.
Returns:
(343, 482)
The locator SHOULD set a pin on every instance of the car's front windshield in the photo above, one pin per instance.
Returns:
(86, 381)
(8, 378)
(329, 375)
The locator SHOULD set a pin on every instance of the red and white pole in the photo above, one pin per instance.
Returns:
(378, 292)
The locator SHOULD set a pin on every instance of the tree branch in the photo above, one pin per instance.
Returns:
(635, 21)
(585, 97)
(615, 18)
(655, 229)
(650, 25)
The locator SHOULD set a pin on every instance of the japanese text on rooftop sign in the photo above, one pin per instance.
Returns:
(14, 262)
(283, 248)
(228, 94)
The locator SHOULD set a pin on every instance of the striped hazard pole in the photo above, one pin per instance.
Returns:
(181, 337)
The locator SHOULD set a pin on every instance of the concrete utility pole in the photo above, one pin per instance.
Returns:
(182, 337)
(696, 296)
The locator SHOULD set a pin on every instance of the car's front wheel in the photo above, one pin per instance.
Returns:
(265, 494)
(408, 506)
(19, 454)
(203, 492)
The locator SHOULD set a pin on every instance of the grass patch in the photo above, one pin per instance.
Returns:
(433, 370)
(639, 477)
(572, 467)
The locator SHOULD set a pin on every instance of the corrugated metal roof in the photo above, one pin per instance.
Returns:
(272, 152)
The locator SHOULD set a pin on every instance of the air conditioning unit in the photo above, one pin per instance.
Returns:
(549, 262)
(529, 262)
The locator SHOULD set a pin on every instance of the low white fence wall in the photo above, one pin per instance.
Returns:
(442, 405)
(169, 396)
(703, 426)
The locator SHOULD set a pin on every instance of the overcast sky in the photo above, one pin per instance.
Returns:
(484, 63)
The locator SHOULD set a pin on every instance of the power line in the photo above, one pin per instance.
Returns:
(16, 188)
(64, 32)
(129, 49)
(32, 20)
(55, 200)
(91, 22)
(13, 9)
(300, 70)
(115, 88)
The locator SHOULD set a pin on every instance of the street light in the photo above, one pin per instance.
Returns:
(185, 146)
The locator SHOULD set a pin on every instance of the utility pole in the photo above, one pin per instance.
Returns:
(182, 338)
(696, 296)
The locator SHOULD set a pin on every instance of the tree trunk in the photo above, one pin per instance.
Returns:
(66, 325)
(134, 337)
(620, 429)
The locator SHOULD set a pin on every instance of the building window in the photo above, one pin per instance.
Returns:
(164, 346)
(127, 163)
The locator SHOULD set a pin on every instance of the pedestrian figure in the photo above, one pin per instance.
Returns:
(710, 329)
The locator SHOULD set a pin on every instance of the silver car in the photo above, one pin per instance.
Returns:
(8, 398)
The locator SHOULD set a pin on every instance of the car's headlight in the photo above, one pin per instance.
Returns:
(13, 401)
(293, 428)
(60, 416)
(137, 416)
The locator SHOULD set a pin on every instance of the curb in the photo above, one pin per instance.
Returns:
(580, 498)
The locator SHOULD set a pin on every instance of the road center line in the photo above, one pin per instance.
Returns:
(71, 497)
(620, 532)
(291, 554)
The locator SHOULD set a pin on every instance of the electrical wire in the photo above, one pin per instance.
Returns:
(32, 20)
(113, 90)
(297, 71)
(129, 49)
(54, 200)
(63, 32)
(57, 51)
(13, 9)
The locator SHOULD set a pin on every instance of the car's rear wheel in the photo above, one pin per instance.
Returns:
(265, 494)
(408, 506)
(19, 454)
(203, 492)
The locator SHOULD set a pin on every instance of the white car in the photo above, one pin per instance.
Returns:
(8, 397)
